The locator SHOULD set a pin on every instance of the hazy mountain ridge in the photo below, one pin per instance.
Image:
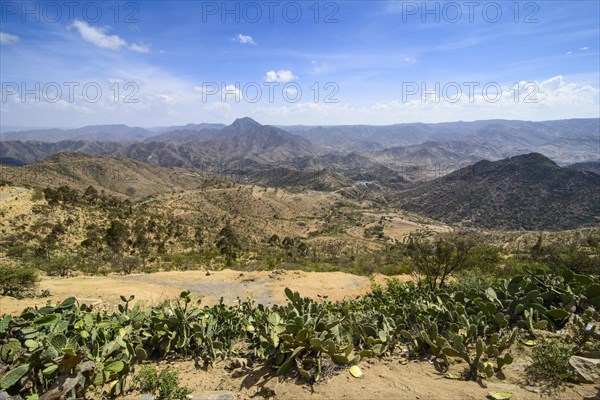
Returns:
(565, 141)
(593, 166)
(184, 136)
(187, 127)
(506, 137)
(444, 153)
(22, 153)
(244, 139)
(102, 133)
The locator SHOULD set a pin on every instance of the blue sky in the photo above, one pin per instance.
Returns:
(305, 62)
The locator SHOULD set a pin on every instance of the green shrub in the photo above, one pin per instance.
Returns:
(164, 384)
(16, 250)
(17, 281)
(551, 363)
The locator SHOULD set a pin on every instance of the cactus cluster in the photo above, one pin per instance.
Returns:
(45, 348)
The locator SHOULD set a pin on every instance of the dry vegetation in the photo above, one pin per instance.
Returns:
(160, 232)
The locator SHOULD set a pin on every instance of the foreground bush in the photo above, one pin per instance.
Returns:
(551, 363)
(164, 385)
(17, 281)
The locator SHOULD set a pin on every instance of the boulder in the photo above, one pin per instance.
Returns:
(586, 368)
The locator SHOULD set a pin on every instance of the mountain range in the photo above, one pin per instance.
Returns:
(528, 192)
(564, 141)
(417, 167)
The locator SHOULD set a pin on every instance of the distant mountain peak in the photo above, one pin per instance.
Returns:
(533, 157)
(533, 160)
(245, 122)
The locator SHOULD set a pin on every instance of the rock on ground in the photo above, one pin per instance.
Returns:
(586, 368)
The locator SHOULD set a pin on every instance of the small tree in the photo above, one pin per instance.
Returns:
(116, 235)
(50, 242)
(199, 237)
(141, 246)
(433, 261)
(90, 194)
(274, 240)
(59, 266)
(229, 243)
(116, 238)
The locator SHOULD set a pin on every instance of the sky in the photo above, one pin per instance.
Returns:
(153, 63)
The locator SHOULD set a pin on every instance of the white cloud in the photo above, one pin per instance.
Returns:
(245, 39)
(550, 84)
(584, 48)
(99, 37)
(282, 76)
(410, 60)
(9, 38)
(549, 99)
(231, 92)
(219, 107)
(140, 48)
(166, 99)
(569, 52)
(320, 68)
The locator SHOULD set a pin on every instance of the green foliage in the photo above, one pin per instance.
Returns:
(90, 194)
(229, 243)
(37, 195)
(301, 335)
(165, 385)
(17, 281)
(375, 231)
(62, 194)
(434, 261)
(116, 235)
(581, 257)
(551, 363)
(199, 236)
(479, 327)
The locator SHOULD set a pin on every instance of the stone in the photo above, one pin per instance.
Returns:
(586, 368)
(269, 389)
(213, 395)
(532, 389)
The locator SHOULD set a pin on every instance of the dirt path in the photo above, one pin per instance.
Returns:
(264, 287)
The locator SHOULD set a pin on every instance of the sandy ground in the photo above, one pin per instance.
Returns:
(399, 228)
(264, 287)
(382, 379)
(15, 201)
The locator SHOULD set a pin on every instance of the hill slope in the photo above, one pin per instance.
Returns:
(523, 192)
(116, 176)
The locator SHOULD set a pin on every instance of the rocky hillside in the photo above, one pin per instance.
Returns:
(524, 192)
